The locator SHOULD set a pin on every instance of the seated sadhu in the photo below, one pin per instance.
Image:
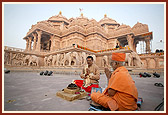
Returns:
(121, 93)
(90, 76)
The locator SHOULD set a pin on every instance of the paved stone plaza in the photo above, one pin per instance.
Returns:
(32, 92)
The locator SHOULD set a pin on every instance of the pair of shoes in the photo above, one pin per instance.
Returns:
(7, 71)
(46, 73)
(144, 74)
(156, 75)
(147, 74)
(159, 84)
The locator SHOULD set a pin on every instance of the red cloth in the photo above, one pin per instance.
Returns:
(79, 83)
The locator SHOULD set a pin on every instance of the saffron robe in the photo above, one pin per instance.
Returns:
(126, 94)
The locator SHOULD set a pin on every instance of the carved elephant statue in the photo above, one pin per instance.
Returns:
(18, 62)
(67, 59)
(33, 60)
(83, 58)
(75, 59)
(61, 58)
(129, 59)
(80, 58)
(45, 61)
(49, 60)
(94, 58)
(13, 59)
(54, 60)
(58, 60)
(6, 58)
(105, 60)
(136, 60)
(26, 60)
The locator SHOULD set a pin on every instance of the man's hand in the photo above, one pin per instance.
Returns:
(87, 72)
(83, 76)
(107, 72)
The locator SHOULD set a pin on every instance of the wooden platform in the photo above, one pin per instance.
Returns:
(69, 94)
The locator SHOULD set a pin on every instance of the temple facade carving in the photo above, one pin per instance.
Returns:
(59, 32)
(54, 43)
(76, 57)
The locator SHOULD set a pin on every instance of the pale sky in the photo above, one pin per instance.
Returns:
(18, 18)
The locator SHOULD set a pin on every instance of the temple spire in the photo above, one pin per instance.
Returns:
(60, 13)
(82, 14)
(105, 15)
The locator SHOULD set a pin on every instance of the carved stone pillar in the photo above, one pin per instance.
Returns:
(147, 41)
(27, 44)
(30, 42)
(39, 40)
(130, 40)
(35, 39)
(135, 45)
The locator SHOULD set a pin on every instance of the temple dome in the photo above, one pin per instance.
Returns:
(81, 21)
(59, 18)
(123, 26)
(82, 18)
(107, 20)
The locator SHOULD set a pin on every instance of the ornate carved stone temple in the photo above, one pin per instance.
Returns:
(65, 43)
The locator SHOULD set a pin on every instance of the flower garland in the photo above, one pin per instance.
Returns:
(81, 47)
(127, 47)
(156, 54)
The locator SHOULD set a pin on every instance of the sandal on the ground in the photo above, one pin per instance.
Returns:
(159, 84)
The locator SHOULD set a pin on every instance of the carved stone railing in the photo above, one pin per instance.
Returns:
(13, 49)
(16, 57)
(19, 57)
(159, 54)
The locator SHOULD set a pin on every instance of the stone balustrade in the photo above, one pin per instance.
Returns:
(19, 57)
(7, 48)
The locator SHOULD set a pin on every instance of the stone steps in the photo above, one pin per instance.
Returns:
(77, 71)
